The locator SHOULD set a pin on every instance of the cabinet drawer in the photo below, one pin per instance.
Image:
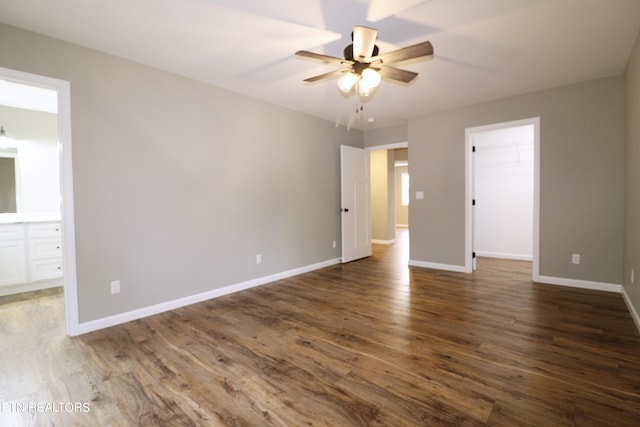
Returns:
(45, 269)
(44, 229)
(11, 232)
(12, 263)
(45, 248)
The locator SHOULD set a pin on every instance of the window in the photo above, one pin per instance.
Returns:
(404, 189)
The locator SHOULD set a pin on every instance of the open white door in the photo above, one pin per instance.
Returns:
(356, 227)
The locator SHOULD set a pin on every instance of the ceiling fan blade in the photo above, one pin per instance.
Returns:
(364, 40)
(397, 74)
(324, 76)
(410, 52)
(321, 57)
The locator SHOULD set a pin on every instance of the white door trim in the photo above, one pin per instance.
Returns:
(392, 146)
(469, 132)
(66, 187)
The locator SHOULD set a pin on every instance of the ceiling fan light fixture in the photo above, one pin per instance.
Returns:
(5, 140)
(370, 79)
(346, 82)
(364, 91)
(358, 74)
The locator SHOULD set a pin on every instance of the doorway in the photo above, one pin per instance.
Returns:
(62, 89)
(502, 202)
(389, 182)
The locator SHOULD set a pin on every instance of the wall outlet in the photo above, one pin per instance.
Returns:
(259, 259)
(334, 244)
(575, 258)
(115, 287)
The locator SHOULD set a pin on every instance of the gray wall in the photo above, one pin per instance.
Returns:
(632, 196)
(386, 135)
(582, 178)
(401, 154)
(178, 185)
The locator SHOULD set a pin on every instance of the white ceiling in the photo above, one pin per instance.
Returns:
(484, 49)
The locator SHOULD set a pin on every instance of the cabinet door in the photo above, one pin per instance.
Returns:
(11, 232)
(13, 268)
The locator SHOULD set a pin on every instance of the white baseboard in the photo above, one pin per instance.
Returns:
(383, 242)
(518, 257)
(434, 265)
(117, 319)
(30, 287)
(632, 309)
(584, 284)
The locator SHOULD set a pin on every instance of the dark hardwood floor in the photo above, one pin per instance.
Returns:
(369, 343)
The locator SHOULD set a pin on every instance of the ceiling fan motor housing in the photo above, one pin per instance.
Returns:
(348, 52)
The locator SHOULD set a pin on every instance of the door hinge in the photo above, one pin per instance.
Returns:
(473, 149)
(473, 202)
(473, 254)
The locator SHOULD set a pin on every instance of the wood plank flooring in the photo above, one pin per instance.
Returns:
(370, 343)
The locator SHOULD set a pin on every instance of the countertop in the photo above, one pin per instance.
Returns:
(11, 218)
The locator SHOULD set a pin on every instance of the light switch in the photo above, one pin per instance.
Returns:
(419, 195)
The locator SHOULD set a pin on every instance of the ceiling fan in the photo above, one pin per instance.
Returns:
(363, 66)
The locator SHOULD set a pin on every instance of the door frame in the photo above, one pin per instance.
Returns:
(62, 87)
(469, 193)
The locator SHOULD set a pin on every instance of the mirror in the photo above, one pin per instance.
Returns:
(8, 187)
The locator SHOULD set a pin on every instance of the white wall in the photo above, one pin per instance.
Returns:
(36, 138)
(503, 166)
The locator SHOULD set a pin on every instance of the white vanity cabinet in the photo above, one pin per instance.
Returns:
(30, 255)
(13, 262)
(44, 241)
